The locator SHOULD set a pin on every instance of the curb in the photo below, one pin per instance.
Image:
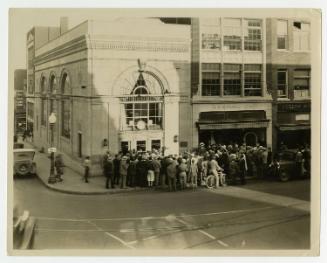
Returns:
(104, 192)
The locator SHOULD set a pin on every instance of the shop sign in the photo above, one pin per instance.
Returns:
(52, 150)
(294, 107)
(302, 117)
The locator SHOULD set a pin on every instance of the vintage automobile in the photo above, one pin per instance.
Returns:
(24, 162)
(286, 168)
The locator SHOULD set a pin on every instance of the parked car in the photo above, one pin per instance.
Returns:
(286, 168)
(24, 162)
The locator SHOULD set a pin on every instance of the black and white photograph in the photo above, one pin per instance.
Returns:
(138, 132)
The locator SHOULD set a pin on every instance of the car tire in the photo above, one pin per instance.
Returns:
(22, 169)
(283, 176)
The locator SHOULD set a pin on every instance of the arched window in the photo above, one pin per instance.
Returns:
(140, 91)
(65, 106)
(53, 84)
(146, 111)
(43, 91)
(65, 84)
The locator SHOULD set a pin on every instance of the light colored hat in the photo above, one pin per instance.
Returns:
(232, 156)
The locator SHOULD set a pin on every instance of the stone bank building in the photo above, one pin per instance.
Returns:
(114, 85)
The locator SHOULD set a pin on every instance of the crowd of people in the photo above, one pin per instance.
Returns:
(232, 163)
(151, 169)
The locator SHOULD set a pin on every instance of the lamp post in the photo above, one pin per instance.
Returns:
(52, 121)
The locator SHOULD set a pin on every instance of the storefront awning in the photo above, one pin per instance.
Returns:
(232, 125)
(294, 127)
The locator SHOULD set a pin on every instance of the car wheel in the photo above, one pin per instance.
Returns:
(22, 169)
(283, 176)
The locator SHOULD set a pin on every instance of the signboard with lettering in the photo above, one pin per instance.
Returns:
(294, 107)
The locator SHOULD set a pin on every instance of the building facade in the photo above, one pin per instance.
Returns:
(288, 79)
(35, 38)
(114, 89)
(20, 100)
(229, 99)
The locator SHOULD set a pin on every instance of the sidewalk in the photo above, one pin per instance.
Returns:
(73, 182)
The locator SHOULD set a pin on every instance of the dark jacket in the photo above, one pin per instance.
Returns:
(108, 167)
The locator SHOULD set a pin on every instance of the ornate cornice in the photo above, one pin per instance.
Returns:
(140, 45)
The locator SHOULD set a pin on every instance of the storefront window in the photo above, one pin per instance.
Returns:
(232, 79)
(252, 39)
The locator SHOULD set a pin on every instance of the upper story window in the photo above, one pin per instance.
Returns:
(301, 79)
(301, 36)
(210, 79)
(282, 35)
(211, 34)
(282, 83)
(301, 83)
(65, 84)
(232, 34)
(232, 79)
(252, 38)
(43, 91)
(252, 80)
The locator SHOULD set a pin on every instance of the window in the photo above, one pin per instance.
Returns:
(232, 34)
(65, 118)
(43, 112)
(43, 91)
(65, 105)
(211, 35)
(232, 79)
(155, 144)
(252, 80)
(282, 34)
(30, 110)
(210, 79)
(282, 83)
(301, 79)
(150, 113)
(210, 41)
(65, 84)
(301, 36)
(141, 146)
(252, 39)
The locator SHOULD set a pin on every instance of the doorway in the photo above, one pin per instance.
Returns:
(80, 152)
(250, 138)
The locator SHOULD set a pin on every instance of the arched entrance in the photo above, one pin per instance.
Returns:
(142, 111)
(251, 138)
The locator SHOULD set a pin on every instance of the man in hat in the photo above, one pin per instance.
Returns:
(123, 168)
(108, 168)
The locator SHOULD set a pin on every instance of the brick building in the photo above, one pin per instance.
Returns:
(229, 99)
(288, 79)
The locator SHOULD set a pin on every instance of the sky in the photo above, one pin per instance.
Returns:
(22, 20)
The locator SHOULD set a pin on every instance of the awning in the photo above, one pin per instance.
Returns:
(294, 127)
(232, 125)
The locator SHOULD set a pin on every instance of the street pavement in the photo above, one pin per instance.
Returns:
(260, 215)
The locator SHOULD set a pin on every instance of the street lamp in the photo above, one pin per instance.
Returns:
(52, 121)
